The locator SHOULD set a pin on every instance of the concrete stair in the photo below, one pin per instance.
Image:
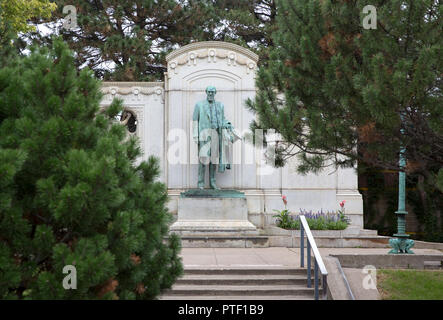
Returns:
(273, 236)
(241, 284)
(433, 265)
(222, 240)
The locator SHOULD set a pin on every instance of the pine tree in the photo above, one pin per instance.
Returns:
(341, 93)
(249, 23)
(71, 192)
(128, 40)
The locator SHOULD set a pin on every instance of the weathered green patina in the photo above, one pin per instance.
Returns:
(401, 244)
(212, 193)
(213, 133)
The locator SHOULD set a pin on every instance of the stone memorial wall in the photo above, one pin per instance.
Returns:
(163, 111)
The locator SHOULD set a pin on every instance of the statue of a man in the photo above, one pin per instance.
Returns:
(212, 132)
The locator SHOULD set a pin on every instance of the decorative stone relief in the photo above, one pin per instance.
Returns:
(212, 55)
(231, 58)
(234, 55)
(251, 67)
(173, 66)
(137, 89)
(192, 58)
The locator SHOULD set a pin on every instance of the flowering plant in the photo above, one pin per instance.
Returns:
(341, 212)
(316, 220)
(283, 218)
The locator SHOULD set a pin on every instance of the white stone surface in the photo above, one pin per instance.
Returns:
(164, 114)
(146, 101)
(212, 214)
(212, 209)
(231, 69)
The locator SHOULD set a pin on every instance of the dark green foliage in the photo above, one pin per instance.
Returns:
(381, 191)
(342, 85)
(128, 40)
(134, 35)
(440, 180)
(337, 92)
(283, 220)
(377, 195)
(10, 47)
(72, 192)
(427, 200)
(249, 23)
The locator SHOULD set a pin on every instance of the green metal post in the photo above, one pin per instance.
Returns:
(401, 244)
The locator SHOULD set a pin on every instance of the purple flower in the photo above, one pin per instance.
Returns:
(328, 216)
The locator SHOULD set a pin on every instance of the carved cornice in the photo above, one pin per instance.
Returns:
(132, 83)
(136, 88)
(213, 51)
(198, 46)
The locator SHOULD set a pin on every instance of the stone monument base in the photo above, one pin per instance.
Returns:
(213, 212)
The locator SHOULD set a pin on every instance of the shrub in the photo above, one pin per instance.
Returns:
(71, 192)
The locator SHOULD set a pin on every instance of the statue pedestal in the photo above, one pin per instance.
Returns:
(213, 212)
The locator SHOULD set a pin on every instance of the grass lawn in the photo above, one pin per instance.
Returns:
(410, 284)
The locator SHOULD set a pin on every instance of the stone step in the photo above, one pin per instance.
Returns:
(203, 279)
(245, 271)
(351, 231)
(332, 242)
(238, 297)
(221, 236)
(368, 232)
(433, 265)
(240, 283)
(277, 237)
(240, 290)
(210, 233)
(224, 241)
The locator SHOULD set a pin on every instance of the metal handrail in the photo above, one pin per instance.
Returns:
(318, 262)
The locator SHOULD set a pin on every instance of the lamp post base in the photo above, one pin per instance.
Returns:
(401, 244)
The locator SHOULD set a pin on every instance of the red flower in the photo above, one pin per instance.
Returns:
(342, 204)
(284, 200)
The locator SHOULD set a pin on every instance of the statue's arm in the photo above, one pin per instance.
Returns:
(225, 122)
(222, 108)
(195, 119)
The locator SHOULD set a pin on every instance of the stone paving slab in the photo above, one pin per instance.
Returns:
(268, 257)
(238, 298)
(288, 258)
(361, 286)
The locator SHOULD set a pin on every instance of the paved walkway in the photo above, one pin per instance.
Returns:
(279, 257)
(265, 257)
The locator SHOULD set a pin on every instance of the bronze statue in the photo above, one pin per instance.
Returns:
(213, 133)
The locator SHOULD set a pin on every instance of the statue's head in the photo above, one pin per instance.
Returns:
(210, 93)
